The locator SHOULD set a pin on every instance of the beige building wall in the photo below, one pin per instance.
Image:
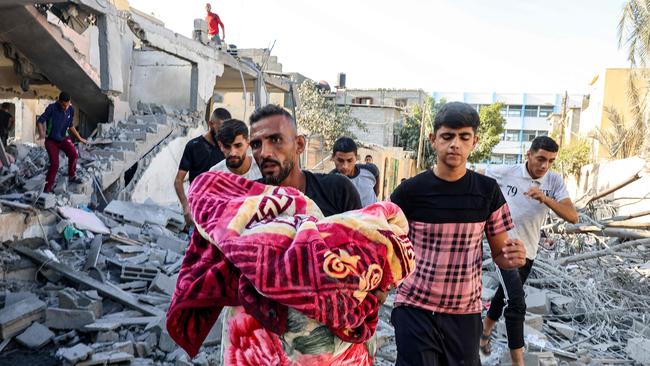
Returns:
(241, 108)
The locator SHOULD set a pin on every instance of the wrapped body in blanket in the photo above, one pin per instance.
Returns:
(300, 285)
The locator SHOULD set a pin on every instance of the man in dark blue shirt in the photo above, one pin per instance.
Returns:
(55, 125)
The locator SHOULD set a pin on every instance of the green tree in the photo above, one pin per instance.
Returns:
(572, 157)
(321, 116)
(409, 134)
(489, 132)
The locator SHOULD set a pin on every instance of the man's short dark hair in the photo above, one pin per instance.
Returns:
(270, 110)
(344, 145)
(456, 115)
(6, 105)
(544, 143)
(220, 114)
(64, 97)
(368, 156)
(229, 131)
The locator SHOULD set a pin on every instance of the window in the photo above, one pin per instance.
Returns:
(514, 111)
(530, 111)
(545, 111)
(510, 158)
(529, 135)
(542, 133)
(401, 102)
(511, 135)
(496, 159)
(362, 100)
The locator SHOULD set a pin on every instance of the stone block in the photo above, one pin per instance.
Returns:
(17, 317)
(12, 298)
(537, 302)
(534, 321)
(76, 300)
(125, 347)
(565, 330)
(164, 284)
(172, 243)
(36, 336)
(74, 354)
(638, 349)
(57, 318)
(107, 337)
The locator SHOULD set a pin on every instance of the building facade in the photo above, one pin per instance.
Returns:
(526, 116)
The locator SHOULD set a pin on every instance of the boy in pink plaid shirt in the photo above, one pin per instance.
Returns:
(437, 315)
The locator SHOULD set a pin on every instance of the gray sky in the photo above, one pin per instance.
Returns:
(441, 45)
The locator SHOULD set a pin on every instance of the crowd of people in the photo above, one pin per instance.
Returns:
(449, 208)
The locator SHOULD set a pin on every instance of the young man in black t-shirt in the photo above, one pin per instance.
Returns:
(200, 154)
(437, 314)
(277, 147)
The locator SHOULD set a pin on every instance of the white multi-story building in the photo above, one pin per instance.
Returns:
(526, 117)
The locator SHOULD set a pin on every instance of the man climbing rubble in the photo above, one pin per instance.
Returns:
(55, 125)
(531, 190)
(214, 22)
(200, 154)
(437, 314)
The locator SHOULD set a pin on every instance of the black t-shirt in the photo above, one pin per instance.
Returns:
(429, 199)
(372, 168)
(332, 193)
(5, 117)
(199, 156)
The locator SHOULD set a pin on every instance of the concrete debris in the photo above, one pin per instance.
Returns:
(75, 354)
(36, 336)
(639, 350)
(17, 317)
(57, 318)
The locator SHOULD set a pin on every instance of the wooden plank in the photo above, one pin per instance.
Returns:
(82, 278)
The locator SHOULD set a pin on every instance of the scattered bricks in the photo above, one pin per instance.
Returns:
(75, 300)
(534, 321)
(166, 343)
(157, 257)
(102, 326)
(567, 331)
(134, 286)
(130, 272)
(107, 358)
(107, 337)
(537, 301)
(36, 336)
(125, 347)
(75, 354)
(17, 317)
(172, 243)
(163, 283)
(57, 318)
(93, 252)
(639, 350)
(142, 349)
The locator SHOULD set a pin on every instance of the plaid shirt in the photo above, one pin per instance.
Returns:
(448, 270)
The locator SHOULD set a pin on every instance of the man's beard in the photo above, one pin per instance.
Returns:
(285, 171)
(234, 162)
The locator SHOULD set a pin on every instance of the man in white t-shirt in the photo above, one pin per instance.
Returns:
(232, 138)
(531, 190)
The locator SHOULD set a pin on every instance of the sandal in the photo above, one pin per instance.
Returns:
(487, 348)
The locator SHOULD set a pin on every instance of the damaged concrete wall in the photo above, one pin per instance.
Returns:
(161, 77)
(157, 182)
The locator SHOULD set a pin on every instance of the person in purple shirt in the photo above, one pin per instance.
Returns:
(55, 126)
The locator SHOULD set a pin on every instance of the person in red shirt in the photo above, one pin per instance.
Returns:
(214, 22)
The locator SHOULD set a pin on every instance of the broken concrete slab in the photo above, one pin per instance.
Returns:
(537, 302)
(76, 300)
(106, 358)
(107, 337)
(36, 336)
(57, 318)
(567, 331)
(163, 283)
(166, 343)
(12, 298)
(93, 252)
(126, 347)
(540, 359)
(75, 354)
(84, 220)
(172, 243)
(17, 317)
(639, 350)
